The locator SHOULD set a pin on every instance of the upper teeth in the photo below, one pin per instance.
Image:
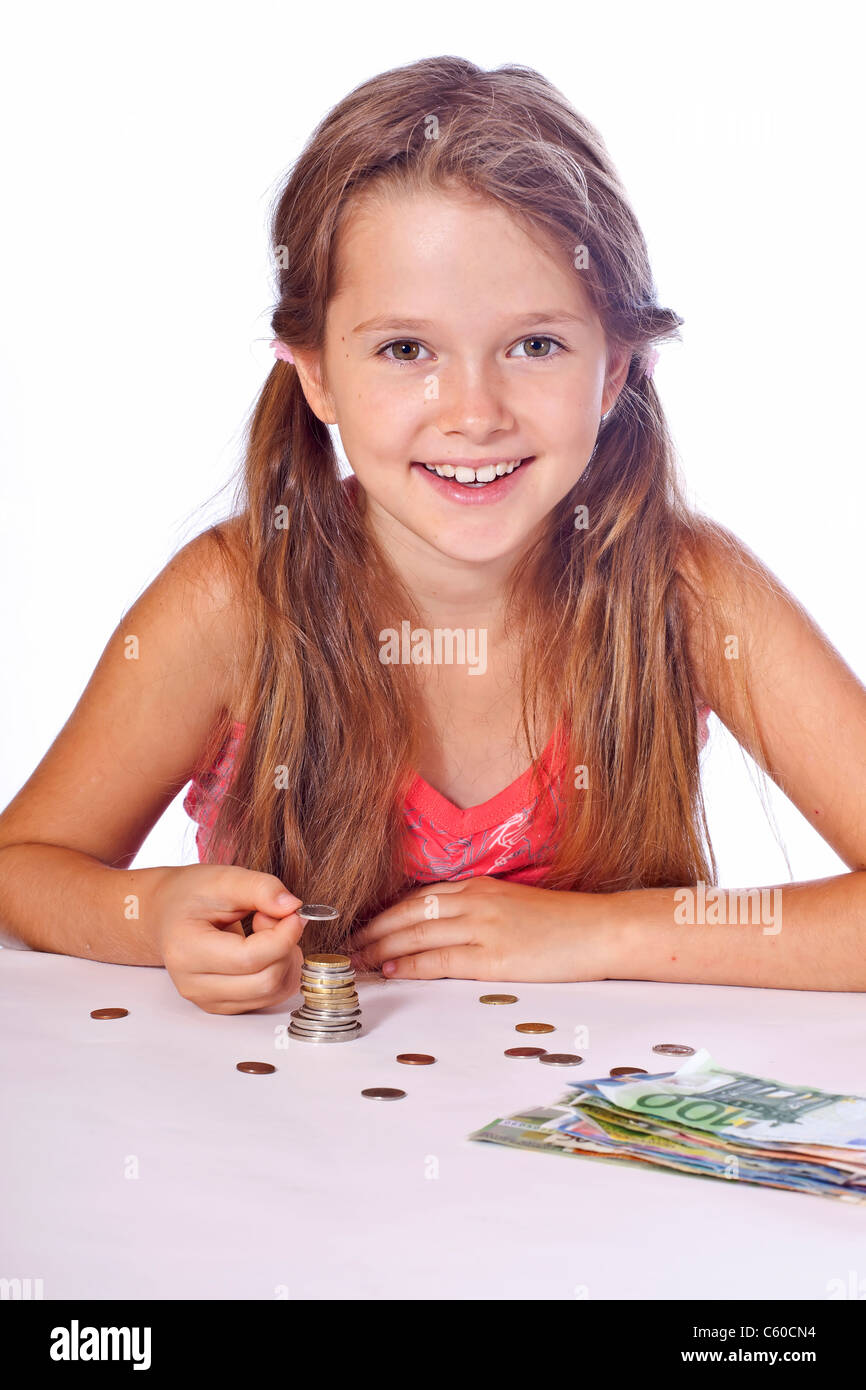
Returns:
(474, 475)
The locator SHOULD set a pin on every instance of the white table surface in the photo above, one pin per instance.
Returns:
(294, 1185)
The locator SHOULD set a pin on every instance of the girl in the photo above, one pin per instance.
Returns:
(464, 290)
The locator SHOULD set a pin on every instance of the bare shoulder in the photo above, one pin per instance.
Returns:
(720, 580)
(211, 578)
(806, 721)
(150, 711)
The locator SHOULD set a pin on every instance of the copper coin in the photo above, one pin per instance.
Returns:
(257, 1068)
(415, 1059)
(497, 998)
(109, 1013)
(560, 1059)
(674, 1049)
(524, 1052)
(534, 1028)
(628, 1071)
(383, 1093)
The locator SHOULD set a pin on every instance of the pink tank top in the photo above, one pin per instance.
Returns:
(513, 835)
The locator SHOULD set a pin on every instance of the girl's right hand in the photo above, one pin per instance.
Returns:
(198, 910)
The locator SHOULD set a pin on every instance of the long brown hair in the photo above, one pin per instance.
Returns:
(332, 733)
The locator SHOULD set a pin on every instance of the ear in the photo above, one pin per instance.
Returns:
(617, 370)
(308, 364)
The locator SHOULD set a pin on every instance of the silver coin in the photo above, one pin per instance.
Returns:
(305, 1025)
(560, 1059)
(314, 1026)
(326, 1037)
(317, 912)
(330, 1019)
(674, 1049)
(328, 981)
(326, 1025)
(383, 1093)
(325, 1019)
(330, 974)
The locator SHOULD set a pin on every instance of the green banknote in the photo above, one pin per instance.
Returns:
(706, 1121)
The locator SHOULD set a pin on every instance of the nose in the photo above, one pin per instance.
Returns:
(472, 400)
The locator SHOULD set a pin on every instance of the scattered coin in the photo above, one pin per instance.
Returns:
(524, 1052)
(497, 999)
(628, 1071)
(415, 1059)
(256, 1068)
(534, 1028)
(383, 1093)
(109, 1013)
(674, 1049)
(560, 1059)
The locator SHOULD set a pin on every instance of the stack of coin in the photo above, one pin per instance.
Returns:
(330, 1011)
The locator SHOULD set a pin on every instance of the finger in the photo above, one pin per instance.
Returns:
(446, 963)
(420, 936)
(224, 953)
(268, 986)
(237, 893)
(434, 901)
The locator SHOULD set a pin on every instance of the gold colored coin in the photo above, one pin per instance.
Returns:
(323, 1006)
(497, 999)
(322, 958)
(534, 1028)
(341, 991)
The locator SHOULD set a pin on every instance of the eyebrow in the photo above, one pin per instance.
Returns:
(386, 323)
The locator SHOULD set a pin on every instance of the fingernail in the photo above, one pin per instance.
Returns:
(388, 967)
(283, 899)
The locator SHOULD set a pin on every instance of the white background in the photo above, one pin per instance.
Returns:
(142, 148)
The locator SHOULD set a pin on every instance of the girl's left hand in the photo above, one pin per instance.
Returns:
(485, 929)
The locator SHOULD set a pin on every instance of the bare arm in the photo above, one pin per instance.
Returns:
(131, 743)
(67, 902)
(790, 936)
(811, 712)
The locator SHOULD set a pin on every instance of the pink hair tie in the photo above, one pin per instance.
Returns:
(651, 362)
(281, 351)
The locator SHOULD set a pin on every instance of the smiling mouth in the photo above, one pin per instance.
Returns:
(482, 476)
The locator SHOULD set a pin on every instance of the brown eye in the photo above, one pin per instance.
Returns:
(544, 343)
(400, 355)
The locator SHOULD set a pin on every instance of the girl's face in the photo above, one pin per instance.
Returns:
(455, 338)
